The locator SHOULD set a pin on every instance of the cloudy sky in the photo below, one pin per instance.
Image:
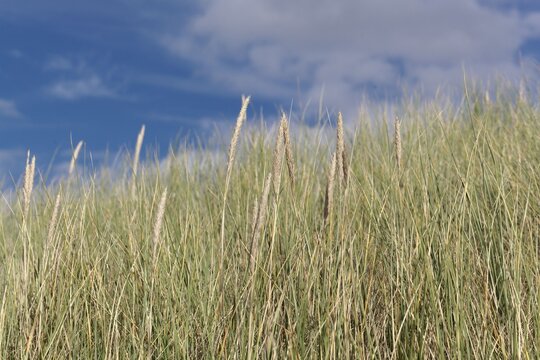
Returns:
(97, 70)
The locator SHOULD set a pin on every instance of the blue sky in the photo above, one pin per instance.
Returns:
(97, 70)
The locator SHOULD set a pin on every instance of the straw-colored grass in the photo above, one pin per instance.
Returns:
(397, 143)
(446, 265)
(28, 182)
(74, 157)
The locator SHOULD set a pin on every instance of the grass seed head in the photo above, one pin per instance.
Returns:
(278, 153)
(74, 157)
(54, 219)
(236, 134)
(28, 181)
(159, 220)
(138, 147)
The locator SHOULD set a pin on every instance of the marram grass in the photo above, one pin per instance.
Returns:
(445, 265)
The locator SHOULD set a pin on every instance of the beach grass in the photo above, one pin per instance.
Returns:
(418, 238)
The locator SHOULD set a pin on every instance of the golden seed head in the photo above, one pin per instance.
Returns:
(278, 153)
(28, 181)
(236, 133)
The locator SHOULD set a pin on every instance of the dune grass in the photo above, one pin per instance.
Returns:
(353, 248)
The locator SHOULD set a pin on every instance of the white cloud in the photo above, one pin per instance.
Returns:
(59, 63)
(15, 53)
(90, 86)
(9, 109)
(263, 47)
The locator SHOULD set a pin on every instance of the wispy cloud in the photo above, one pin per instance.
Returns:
(15, 53)
(91, 86)
(59, 63)
(9, 109)
(268, 47)
(79, 79)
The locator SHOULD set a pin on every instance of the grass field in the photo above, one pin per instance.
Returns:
(371, 243)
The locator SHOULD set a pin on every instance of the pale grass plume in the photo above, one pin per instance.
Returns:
(522, 91)
(54, 219)
(288, 153)
(259, 222)
(329, 199)
(74, 157)
(28, 181)
(255, 216)
(278, 154)
(158, 224)
(345, 166)
(156, 240)
(397, 142)
(230, 160)
(138, 147)
(236, 134)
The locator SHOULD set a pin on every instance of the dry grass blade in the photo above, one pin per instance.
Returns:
(329, 198)
(54, 219)
(74, 157)
(397, 142)
(288, 153)
(259, 222)
(255, 217)
(522, 92)
(340, 149)
(230, 161)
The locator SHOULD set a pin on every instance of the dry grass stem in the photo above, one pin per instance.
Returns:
(54, 219)
(329, 199)
(340, 149)
(230, 160)
(254, 217)
(74, 157)
(289, 153)
(397, 142)
(522, 92)
(261, 218)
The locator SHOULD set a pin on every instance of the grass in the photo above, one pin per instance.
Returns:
(426, 250)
